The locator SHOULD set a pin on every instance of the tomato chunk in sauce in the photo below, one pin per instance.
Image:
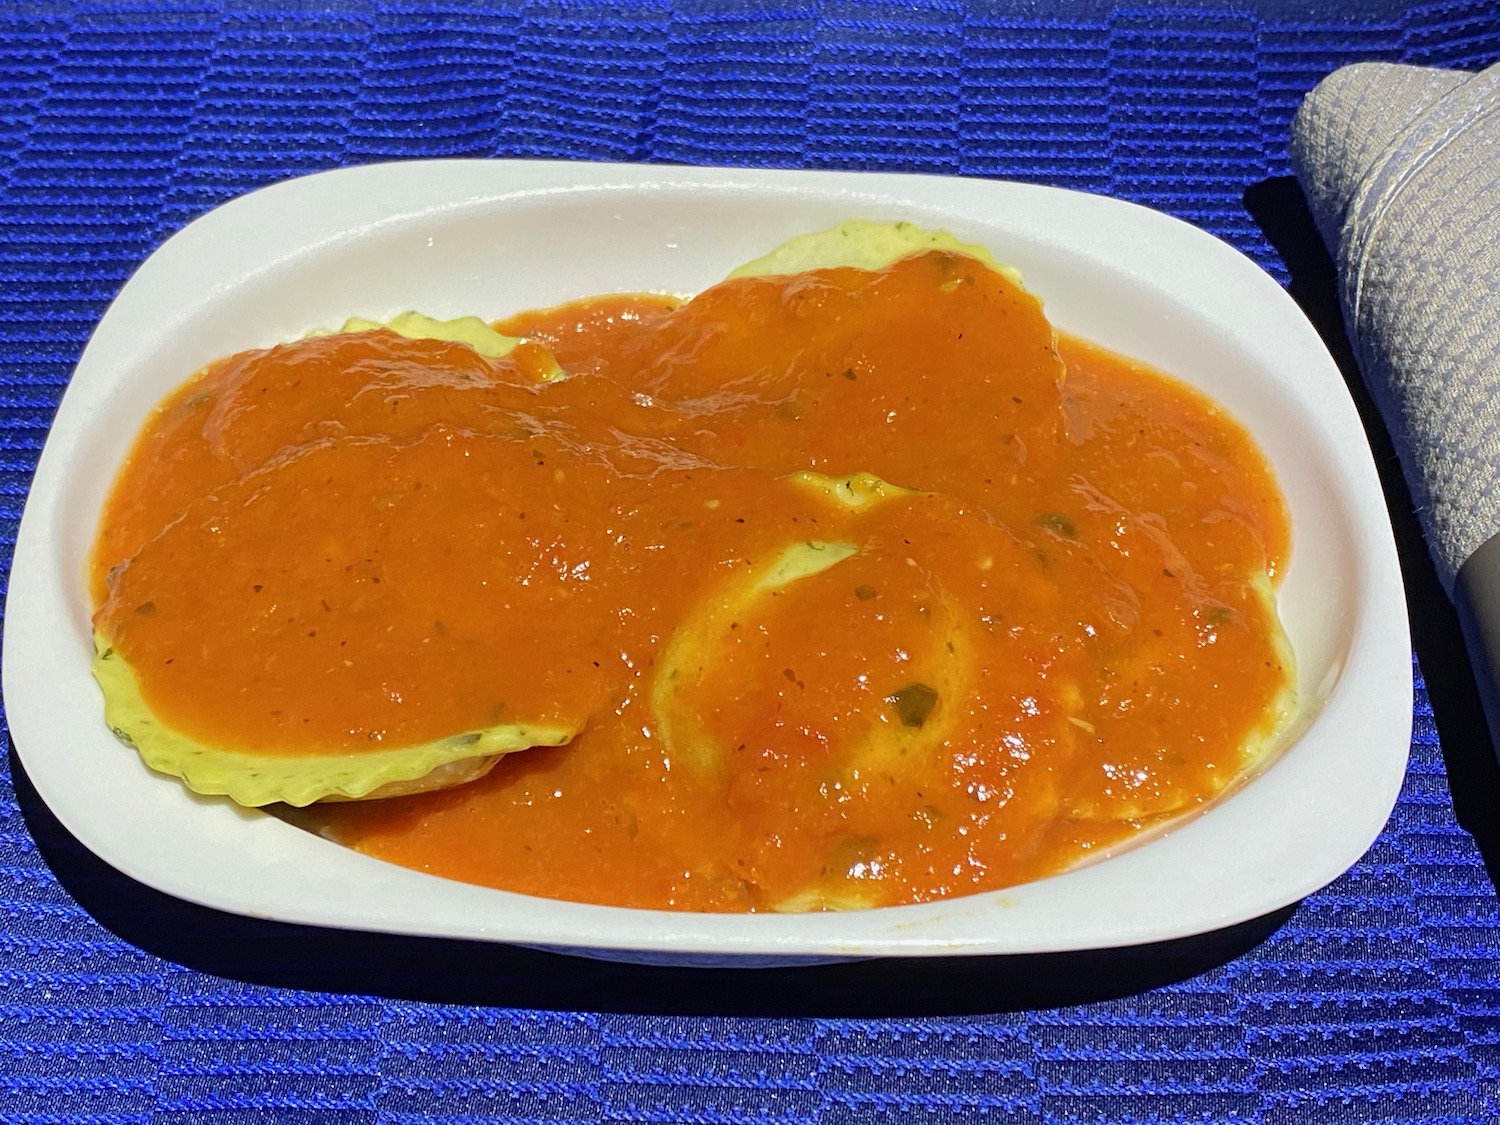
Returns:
(860, 588)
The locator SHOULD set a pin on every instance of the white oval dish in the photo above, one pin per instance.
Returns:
(494, 237)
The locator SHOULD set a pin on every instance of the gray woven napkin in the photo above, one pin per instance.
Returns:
(1401, 168)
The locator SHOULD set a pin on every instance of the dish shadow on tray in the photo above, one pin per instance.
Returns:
(1280, 209)
(446, 971)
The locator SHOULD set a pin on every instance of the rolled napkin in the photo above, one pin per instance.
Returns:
(1401, 168)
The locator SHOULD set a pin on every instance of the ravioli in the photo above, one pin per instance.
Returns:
(845, 583)
(262, 779)
(864, 244)
(257, 778)
(413, 325)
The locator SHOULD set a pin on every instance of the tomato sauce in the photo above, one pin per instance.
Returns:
(861, 588)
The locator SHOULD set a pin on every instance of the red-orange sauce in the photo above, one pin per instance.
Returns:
(1051, 642)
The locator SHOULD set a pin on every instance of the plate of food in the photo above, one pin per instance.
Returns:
(710, 566)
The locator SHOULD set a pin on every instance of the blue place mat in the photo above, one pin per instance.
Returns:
(1376, 1000)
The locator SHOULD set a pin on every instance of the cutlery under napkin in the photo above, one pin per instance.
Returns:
(1401, 168)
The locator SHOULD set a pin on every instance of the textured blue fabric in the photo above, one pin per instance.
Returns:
(1378, 1000)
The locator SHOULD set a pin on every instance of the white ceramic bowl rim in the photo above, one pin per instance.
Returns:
(493, 237)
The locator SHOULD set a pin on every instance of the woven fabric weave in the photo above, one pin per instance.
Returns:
(1378, 1000)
